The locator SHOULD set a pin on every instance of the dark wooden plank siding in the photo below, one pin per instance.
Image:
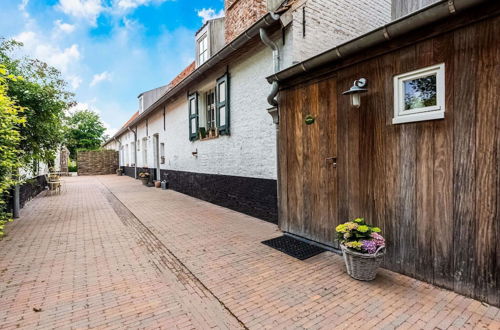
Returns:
(432, 186)
(308, 158)
(464, 207)
(282, 162)
(487, 105)
(443, 169)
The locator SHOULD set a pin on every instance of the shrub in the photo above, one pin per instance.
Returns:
(11, 119)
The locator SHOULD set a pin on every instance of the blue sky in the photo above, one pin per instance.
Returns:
(109, 51)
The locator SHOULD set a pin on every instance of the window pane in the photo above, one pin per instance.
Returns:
(193, 125)
(420, 92)
(222, 92)
(192, 106)
(222, 116)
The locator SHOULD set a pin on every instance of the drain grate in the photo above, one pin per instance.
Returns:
(293, 247)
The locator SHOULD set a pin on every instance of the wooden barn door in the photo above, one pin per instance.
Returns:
(308, 162)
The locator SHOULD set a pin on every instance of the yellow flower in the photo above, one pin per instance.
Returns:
(376, 230)
(354, 245)
(351, 225)
(363, 228)
(359, 220)
(340, 228)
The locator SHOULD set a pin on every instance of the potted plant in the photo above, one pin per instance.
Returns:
(363, 248)
(144, 176)
(119, 171)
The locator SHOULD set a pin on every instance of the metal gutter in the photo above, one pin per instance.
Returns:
(229, 49)
(399, 27)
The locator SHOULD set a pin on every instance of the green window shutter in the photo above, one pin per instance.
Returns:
(193, 116)
(222, 105)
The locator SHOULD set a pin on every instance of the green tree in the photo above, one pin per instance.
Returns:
(85, 131)
(44, 96)
(11, 120)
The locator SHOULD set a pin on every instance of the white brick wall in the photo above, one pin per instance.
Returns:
(332, 22)
(249, 151)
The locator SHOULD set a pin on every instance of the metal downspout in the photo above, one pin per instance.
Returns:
(271, 99)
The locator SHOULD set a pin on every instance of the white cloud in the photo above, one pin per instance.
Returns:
(80, 106)
(74, 81)
(131, 4)
(26, 37)
(56, 57)
(64, 27)
(47, 52)
(22, 8)
(208, 14)
(84, 9)
(103, 76)
(23, 4)
(110, 131)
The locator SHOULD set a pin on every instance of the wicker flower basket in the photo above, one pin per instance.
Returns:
(362, 266)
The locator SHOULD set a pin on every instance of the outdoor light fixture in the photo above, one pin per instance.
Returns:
(356, 90)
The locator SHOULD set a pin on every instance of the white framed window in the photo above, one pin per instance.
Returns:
(419, 95)
(141, 103)
(210, 109)
(203, 49)
(162, 153)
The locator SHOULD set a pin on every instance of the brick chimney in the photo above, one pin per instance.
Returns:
(241, 14)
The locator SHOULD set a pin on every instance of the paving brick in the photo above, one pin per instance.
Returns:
(109, 253)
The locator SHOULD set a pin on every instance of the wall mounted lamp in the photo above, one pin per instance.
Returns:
(355, 91)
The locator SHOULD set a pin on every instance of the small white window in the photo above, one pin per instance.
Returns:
(202, 49)
(162, 153)
(419, 95)
(141, 103)
(210, 110)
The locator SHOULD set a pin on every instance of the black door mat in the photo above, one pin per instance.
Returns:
(293, 247)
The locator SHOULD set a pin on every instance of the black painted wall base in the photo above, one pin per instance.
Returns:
(252, 196)
(27, 191)
(152, 172)
(130, 171)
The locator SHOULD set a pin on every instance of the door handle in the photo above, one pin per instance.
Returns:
(331, 160)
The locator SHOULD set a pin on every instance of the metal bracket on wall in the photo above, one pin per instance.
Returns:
(331, 160)
(275, 114)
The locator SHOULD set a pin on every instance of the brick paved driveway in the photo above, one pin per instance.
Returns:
(110, 253)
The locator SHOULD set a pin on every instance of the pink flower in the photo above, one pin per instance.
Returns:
(378, 239)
